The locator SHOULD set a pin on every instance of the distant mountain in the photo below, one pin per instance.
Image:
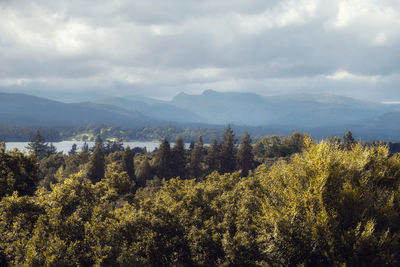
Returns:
(305, 111)
(154, 108)
(319, 115)
(22, 109)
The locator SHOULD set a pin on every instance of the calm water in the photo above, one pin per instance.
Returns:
(65, 146)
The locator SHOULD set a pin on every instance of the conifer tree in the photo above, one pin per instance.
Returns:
(212, 159)
(73, 150)
(245, 157)
(178, 161)
(128, 164)
(228, 152)
(38, 146)
(162, 160)
(85, 147)
(348, 140)
(196, 159)
(144, 172)
(95, 171)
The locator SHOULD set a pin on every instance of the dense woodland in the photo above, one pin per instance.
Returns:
(287, 201)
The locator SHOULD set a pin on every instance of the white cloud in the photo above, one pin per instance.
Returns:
(162, 47)
(345, 75)
(288, 13)
(375, 22)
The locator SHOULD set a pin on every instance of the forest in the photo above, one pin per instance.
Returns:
(279, 201)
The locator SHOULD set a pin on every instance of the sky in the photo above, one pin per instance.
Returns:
(81, 49)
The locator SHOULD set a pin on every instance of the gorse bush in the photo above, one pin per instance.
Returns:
(325, 206)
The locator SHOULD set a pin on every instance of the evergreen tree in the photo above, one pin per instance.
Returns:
(178, 161)
(127, 163)
(85, 147)
(73, 150)
(245, 157)
(144, 172)
(212, 159)
(39, 147)
(95, 171)
(191, 146)
(228, 152)
(196, 159)
(348, 140)
(162, 160)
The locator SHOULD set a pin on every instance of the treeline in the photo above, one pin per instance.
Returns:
(333, 203)
(91, 131)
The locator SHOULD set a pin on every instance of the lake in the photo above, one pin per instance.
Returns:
(66, 146)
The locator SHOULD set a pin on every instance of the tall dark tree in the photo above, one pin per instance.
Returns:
(228, 152)
(73, 150)
(162, 160)
(127, 163)
(98, 143)
(178, 162)
(95, 170)
(38, 145)
(85, 147)
(196, 158)
(245, 157)
(143, 173)
(348, 140)
(191, 146)
(212, 159)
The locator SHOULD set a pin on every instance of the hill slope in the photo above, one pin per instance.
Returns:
(21, 109)
(301, 110)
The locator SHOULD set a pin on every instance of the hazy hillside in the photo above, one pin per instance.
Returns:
(305, 110)
(320, 115)
(156, 109)
(21, 109)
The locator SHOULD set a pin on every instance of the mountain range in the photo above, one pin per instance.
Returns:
(321, 115)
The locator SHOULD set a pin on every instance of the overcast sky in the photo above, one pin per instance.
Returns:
(159, 48)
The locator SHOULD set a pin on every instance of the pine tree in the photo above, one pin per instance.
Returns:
(39, 147)
(348, 140)
(245, 157)
(212, 159)
(144, 172)
(228, 152)
(85, 147)
(128, 164)
(196, 158)
(95, 171)
(162, 160)
(73, 150)
(178, 161)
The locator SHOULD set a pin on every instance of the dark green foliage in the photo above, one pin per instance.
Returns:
(85, 147)
(73, 150)
(39, 147)
(212, 159)
(49, 167)
(196, 159)
(178, 161)
(17, 172)
(245, 158)
(162, 160)
(113, 146)
(144, 172)
(128, 164)
(228, 152)
(348, 140)
(95, 168)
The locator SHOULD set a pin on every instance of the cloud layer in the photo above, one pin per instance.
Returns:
(159, 48)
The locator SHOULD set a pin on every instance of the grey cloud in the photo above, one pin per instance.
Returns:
(159, 48)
